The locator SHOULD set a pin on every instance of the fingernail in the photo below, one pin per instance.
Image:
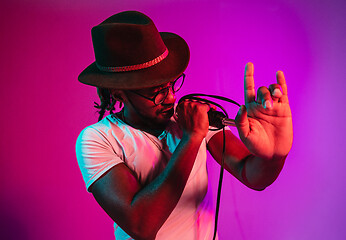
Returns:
(240, 110)
(277, 92)
(267, 104)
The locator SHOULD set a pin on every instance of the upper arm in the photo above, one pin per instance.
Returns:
(235, 152)
(114, 192)
(96, 155)
(112, 183)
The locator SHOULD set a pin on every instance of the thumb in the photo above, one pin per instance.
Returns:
(242, 122)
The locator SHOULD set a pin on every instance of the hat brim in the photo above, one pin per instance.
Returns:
(168, 69)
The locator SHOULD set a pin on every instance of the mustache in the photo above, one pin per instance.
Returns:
(167, 108)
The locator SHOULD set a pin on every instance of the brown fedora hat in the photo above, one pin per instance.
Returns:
(130, 53)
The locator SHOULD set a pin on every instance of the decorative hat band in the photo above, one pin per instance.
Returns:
(134, 67)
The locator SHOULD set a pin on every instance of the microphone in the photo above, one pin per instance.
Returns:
(218, 119)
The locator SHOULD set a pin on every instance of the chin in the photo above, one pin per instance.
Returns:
(162, 121)
(167, 115)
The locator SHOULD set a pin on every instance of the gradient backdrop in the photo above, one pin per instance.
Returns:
(45, 44)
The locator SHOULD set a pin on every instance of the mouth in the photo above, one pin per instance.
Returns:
(168, 111)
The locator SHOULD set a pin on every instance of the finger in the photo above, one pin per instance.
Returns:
(190, 105)
(264, 97)
(204, 104)
(175, 116)
(212, 107)
(249, 84)
(242, 122)
(198, 100)
(275, 91)
(280, 78)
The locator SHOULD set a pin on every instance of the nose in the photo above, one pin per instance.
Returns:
(171, 98)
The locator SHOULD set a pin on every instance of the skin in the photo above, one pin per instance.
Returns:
(265, 129)
(264, 125)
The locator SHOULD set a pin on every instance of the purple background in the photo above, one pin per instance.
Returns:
(46, 44)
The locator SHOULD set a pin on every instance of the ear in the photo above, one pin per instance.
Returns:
(118, 95)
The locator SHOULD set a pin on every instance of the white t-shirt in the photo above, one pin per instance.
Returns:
(109, 142)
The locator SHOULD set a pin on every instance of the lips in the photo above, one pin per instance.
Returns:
(168, 108)
(168, 111)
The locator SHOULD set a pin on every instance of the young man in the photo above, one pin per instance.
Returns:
(147, 168)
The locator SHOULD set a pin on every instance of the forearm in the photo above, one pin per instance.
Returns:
(254, 171)
(152, 205)
(258, 173)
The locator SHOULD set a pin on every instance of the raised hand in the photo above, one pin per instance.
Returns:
(265, 122)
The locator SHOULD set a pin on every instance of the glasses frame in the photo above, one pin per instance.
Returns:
(164, 89)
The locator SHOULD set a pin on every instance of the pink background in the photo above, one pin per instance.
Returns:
(46, 44)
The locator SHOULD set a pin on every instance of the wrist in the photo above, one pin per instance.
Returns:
(193, 136)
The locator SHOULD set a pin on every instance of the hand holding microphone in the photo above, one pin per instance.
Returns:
(192, 117)
(216, 119)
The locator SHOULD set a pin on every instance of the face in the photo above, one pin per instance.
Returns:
(141, 110)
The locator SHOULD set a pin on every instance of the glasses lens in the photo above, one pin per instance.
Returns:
(161, 96)
(178, 83)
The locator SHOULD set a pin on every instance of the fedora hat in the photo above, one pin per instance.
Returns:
(130, 53)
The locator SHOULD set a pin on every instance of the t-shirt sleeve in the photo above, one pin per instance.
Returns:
(95, 155)
(211, 133)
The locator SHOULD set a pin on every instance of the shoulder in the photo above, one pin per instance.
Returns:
(101, 129)
(106, 134)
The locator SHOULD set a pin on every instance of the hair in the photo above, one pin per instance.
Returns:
(107, 102)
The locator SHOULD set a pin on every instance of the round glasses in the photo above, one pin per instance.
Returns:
(161, 95)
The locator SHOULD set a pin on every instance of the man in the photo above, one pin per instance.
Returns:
(146, 168)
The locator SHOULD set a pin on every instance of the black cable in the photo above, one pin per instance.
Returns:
(220, 183)
(207, 95)
(215, 117)
(195, 96)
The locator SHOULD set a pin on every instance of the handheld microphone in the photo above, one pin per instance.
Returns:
(216, 119)
(219, 120)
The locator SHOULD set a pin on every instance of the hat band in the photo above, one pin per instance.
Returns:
(134, 67)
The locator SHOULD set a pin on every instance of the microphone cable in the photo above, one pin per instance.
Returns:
(218, 120)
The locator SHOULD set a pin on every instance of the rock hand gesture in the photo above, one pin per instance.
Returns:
(265, 122)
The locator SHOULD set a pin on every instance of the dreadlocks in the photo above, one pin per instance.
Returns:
(107, 102)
